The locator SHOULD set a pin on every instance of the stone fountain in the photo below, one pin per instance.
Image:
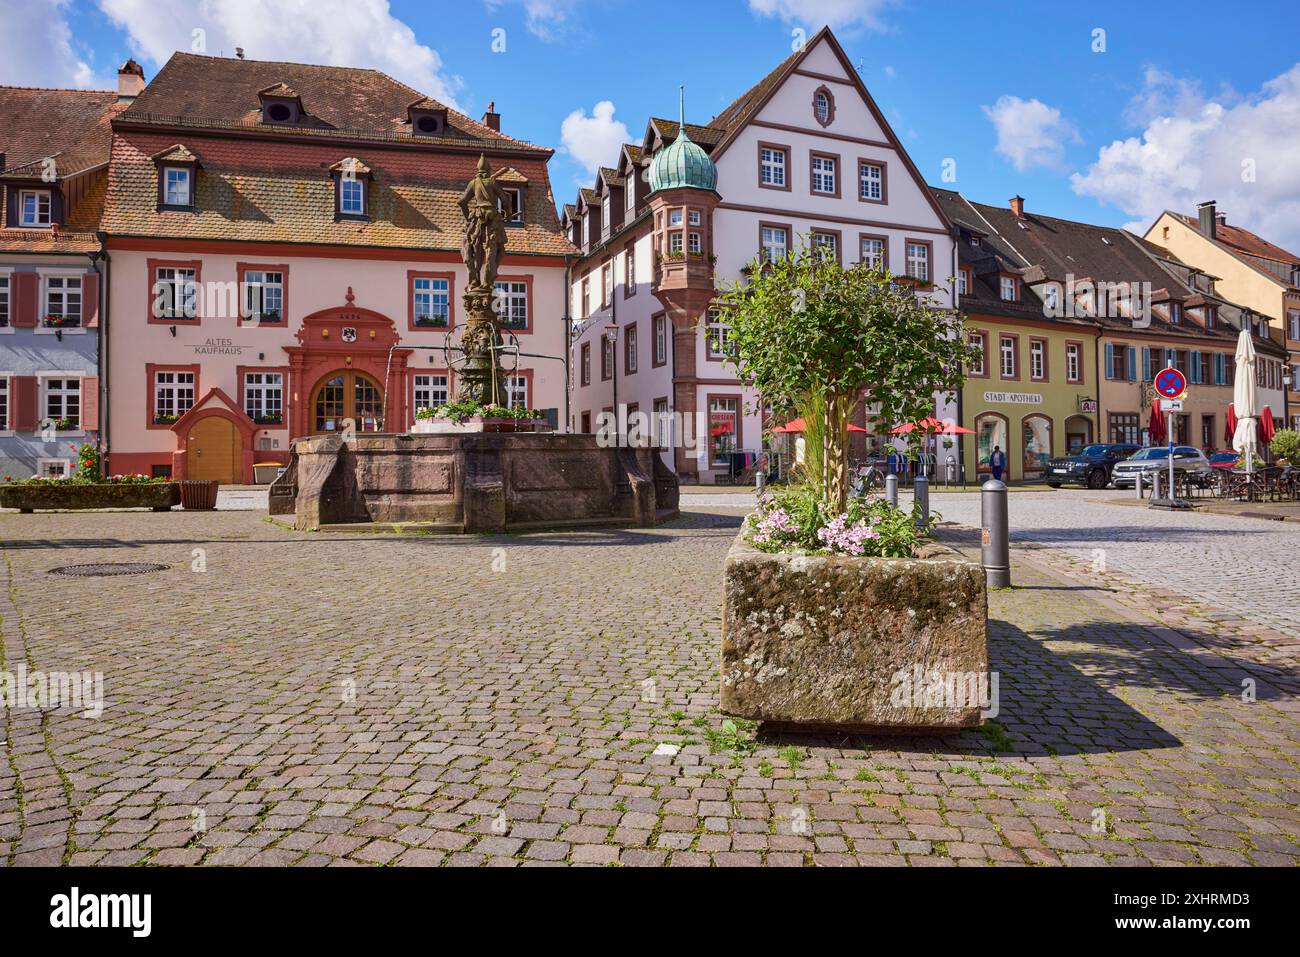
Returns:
(447, 479)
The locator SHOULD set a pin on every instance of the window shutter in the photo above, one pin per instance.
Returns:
(26, 299)
(90, 403)
(1110, 360)
(25, 399)
(1170, 357)
(1220, 369)
(90, 300)
(1196, 367)
(1146, 363)
(1132, 364)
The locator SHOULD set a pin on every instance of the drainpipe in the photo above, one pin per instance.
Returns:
(1096, 377)
(568, 336)
(101, 363)
(961, 415)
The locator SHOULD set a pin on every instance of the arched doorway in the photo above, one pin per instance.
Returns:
(1036, 430)
(347, 395)
(1078, 433)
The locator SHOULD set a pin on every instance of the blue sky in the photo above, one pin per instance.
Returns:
(1183, 103)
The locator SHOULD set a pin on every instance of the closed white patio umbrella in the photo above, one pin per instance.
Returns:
(1245, 402)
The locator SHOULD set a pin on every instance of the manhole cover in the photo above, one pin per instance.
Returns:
(105, 569)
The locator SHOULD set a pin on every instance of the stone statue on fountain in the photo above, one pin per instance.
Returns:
(482, 205)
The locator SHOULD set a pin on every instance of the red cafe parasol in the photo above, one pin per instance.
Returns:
(798, 425)
(928, 424)
(1230, 428)
(1267, 428)
(1157, 426)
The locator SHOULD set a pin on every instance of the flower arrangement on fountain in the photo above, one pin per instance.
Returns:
(796, 521)
(460, 411)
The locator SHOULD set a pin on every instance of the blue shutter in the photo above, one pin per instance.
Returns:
(1196, 367)
(1220, 374)
(1110, 360)
(1171, 356)
(1146, 363)
(1132, 364)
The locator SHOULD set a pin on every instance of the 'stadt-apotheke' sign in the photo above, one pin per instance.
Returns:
(1015, 398)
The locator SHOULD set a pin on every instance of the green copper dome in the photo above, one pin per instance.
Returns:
(682, 163)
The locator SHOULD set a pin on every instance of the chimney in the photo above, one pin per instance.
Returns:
(130, 81)
(492, 119)
(1018, 206)
(1206, 218)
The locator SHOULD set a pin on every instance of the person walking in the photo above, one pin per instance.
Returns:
(998, 462)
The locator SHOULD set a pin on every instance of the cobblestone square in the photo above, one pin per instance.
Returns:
(277, 698)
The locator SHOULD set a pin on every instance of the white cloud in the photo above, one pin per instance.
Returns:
(1030, 133)
(359, 33)
(831, 13)
(890, 71)
(593, 141)
(547, 19)
(1238, 151)
(36, 48)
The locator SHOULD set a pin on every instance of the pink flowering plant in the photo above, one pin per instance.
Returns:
(797, 521)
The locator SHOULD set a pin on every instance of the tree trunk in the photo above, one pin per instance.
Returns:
(835, 453)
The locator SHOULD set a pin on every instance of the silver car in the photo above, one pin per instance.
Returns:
(1156, 458)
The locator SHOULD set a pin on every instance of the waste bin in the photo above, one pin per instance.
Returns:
(264, 473)
(198, 494)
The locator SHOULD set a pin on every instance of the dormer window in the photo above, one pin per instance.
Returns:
(1210, 312)
(1052, 296)
(281, 106)
(515, 214)
(352, 189)
(427, 118)
(177, 173)
(176, 186)
(1175, 313)
(35, 207)
(1008, 289)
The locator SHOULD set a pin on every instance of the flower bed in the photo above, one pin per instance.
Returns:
(473, 417)
(119, 491)
(794, 521)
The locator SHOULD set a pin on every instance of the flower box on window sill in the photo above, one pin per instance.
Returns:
(270, 316)
(267, 419)
(60, 425)
(427, 322)
(165, 419)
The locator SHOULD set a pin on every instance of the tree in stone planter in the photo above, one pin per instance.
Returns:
(807, 326)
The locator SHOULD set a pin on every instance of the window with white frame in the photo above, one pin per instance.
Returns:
(976, 339)
(630, 195)
(264, 295)
(663, 424)
(826, 245)
(718, 336)
(918, 261)
(34, 207)
(430, 301)
(604, 212)
(53, 468)
(1073, 362)
(675, 243)
(822, 107)
(696, 245)
(176, 186)
(823, 174)
(4, 301)
(773, 166)
(1007, 289)
(607, 284)
(661, 339)
(431, 391)
(776, 243)
(1293, 324)
(1051, 296)
(1008, 349)
(516, 392)
(512, 299)
(515, 202)
(352, 197)
(629, 272)
(175, 293)
(62, 403)
(873, 252)
(1037, 359)
(630, 348)
(173, 395)
(263, 397)
(963, 284)
(62, 301)
(871, 182)
(4, 404)
(674, 217)
(694, 217)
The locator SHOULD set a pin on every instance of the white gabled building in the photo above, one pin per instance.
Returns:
(803, 156)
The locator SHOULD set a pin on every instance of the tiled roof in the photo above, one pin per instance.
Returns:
(76, 235)
(744, 106)
(703, 135)
(610, 176)
(284, 193)
(70, 125)
(633, 152)
(222, 93)
(1245, 241)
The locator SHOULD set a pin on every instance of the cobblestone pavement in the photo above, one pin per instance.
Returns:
(1247, 567)
(338, 699)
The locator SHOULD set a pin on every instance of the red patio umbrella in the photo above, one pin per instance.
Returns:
(1230, 426)
(798, 425)
(1157, 426)
(1267, 428)
(952, 428)
(928, 424)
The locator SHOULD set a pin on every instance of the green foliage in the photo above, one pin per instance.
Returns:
(76, 479)
(1286, 445)
(796, 520)
(87, 463)
(806, 326)
(733, 735)
(460, 411)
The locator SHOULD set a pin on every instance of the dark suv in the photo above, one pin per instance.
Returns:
(1090, 466)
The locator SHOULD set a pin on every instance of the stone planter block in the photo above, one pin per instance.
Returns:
(821, 640)
(159, 496)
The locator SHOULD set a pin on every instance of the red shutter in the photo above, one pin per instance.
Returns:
(90, 300)
(26, 402)
(90, 403)
(27, 300)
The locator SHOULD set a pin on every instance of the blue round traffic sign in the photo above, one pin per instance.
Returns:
(1170, 383)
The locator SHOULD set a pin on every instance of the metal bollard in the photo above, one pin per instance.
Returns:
(760, 481)
(921, 497)
(1137, 484)
(995, 548)
(891, 489)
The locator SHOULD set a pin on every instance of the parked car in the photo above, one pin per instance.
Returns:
(1089, 466)
(1156, 458)
(1225, 460)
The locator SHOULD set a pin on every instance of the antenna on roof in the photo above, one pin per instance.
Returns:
(681, 106)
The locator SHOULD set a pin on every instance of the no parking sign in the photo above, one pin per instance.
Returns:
(1170, 383)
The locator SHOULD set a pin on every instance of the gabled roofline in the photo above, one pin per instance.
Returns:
(1231, 251)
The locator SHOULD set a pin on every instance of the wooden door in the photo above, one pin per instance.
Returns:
(213, 451)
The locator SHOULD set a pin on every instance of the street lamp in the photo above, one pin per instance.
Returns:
(611, 336)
